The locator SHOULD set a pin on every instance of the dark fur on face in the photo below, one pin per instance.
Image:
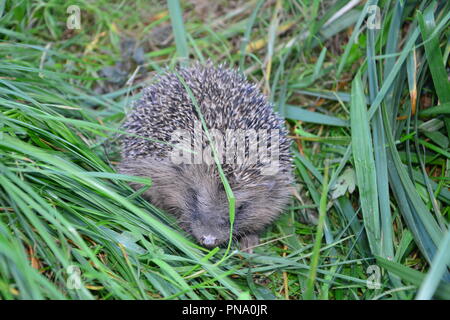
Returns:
(195, 194)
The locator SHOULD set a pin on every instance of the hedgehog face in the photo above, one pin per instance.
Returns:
(203, 210)
(196, 196)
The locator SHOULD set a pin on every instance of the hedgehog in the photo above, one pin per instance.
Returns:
(173, 131)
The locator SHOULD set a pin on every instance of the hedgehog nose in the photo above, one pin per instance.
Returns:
(208, 240)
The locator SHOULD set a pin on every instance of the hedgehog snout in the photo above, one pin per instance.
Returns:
(209, 240)
(209, 234)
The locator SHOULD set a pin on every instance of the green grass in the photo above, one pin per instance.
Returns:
(374, 102)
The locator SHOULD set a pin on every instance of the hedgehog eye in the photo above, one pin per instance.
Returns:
(242, 207)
